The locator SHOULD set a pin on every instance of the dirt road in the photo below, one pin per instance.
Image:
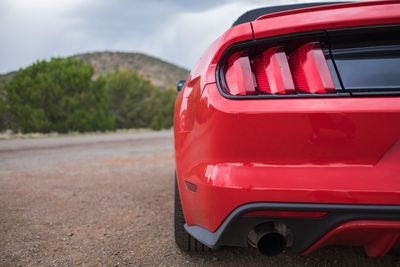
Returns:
(107, 200)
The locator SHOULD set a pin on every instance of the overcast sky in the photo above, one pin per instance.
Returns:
(176, 31)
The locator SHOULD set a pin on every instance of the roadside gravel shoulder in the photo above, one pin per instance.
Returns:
(107, 200)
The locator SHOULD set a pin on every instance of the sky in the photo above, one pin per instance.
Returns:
(176, 31)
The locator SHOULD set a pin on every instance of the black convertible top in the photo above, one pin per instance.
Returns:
(255, 13)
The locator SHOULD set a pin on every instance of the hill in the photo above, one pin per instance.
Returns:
(6, 77)
(159, 72)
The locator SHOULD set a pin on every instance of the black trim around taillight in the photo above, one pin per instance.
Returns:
(367, 59)
(329, 41)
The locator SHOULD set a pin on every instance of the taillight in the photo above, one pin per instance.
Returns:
(277, 213)
(238, 75)
(278, 70)
(310, 70)
(272, 72)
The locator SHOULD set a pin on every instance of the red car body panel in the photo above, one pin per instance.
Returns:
(325, 150)
(305, 150)
(377, 237)
(327, 17)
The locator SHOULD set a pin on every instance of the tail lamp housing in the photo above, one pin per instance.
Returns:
(272, 72)
(298, 67)
(310, 69)
(238, 75)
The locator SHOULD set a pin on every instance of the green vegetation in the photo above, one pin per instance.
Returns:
(160, 73)
(136, 103)
(61, 95)
(3, 109)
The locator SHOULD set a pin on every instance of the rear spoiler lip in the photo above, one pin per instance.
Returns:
(327, 6)
(254, 14)
(328, 17)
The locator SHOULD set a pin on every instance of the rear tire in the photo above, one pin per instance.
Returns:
(183, 240)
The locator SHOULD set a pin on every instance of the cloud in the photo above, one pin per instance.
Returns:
(177, 31)
(190, 33)
(30, 30)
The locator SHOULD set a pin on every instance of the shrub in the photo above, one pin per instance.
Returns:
(61, 96)
(135, 103)
(58, 95)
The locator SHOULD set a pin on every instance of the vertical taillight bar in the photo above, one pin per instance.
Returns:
(239, 76)
(310, 70)
(272, 72)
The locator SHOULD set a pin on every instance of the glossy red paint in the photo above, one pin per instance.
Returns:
(327, 17)
(325, 150)
(333, 150)
(377, 237)
(204, 71)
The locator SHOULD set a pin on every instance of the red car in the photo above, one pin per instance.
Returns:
(287, 132)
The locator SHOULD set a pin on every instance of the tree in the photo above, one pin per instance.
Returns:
(135, 103)
(58, 95)
(3, 109)
(163, 109)
(128, 96)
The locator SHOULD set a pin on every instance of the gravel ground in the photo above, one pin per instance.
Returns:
(107, 200)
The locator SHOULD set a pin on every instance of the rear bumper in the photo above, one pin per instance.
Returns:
(221, 188)
(342, 225)
(377, 237)
(328, 151)
(338, 152)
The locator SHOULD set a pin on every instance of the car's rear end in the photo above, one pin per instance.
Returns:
(287, 132)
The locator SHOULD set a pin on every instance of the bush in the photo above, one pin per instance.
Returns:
(61, 96)
(3, 109)
(57, 96)
(135, 103)
(163, 109)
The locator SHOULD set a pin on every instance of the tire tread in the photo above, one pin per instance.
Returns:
(183, 240)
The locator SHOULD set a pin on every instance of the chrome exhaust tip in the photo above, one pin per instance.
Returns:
(268, 240)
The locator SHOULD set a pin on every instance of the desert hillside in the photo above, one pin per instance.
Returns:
(159, 72)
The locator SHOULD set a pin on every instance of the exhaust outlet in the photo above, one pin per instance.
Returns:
(268, 240)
